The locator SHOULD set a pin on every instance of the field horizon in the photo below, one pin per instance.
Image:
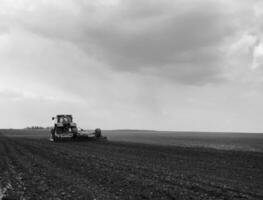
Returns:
(215, 140)
(150, 130)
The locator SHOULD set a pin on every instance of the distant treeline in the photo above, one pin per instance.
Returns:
(37, 127)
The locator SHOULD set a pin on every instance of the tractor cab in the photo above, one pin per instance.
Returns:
(63, 127)
(63, 119)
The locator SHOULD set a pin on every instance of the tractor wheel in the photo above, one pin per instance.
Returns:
(50, 137)
(55, 138)
(52, 134)
(74, 137)
(98, 132)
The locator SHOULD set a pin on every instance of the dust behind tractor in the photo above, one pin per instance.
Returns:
(65, 128)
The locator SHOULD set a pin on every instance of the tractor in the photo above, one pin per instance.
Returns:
(64, 127)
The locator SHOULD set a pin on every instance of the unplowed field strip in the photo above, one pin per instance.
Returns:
(38, 169)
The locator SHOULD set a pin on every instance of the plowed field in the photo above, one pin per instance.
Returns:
(35, 168)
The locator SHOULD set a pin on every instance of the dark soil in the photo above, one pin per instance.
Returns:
(35, 168)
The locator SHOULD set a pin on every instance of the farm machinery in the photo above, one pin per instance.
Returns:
(64, 127)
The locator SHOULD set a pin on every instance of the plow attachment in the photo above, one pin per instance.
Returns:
(90, 135)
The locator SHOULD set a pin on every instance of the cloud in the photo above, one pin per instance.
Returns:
(181, 41)
(183, 65)
(258, 56)
(10, 95)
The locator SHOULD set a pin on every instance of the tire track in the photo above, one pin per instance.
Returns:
(123, 171)
(11, 184)
(191, 186)
(63, 182)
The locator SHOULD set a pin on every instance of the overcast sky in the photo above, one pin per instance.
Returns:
(165, 64)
